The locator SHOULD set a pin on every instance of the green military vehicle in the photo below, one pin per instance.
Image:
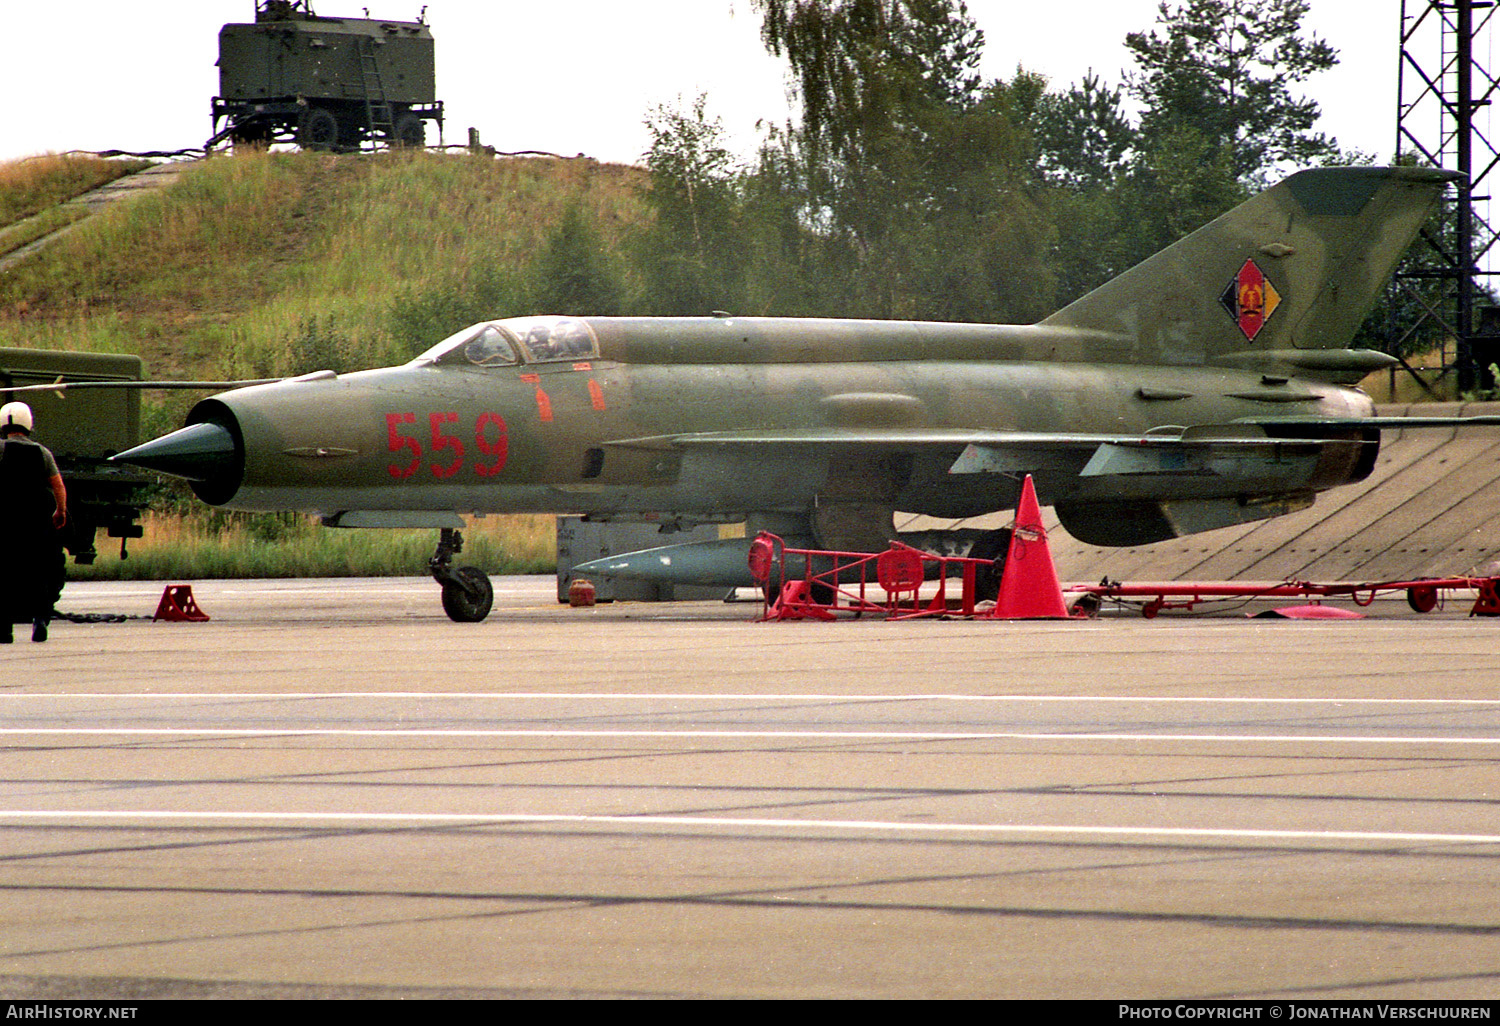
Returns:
(83, 428)
(324, 83)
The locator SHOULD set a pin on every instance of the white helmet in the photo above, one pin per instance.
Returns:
(15, 415)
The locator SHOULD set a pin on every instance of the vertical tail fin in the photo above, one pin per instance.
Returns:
(1297, 267)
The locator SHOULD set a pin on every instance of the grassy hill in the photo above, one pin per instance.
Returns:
(30, 186)
(35, 193)
(236, 266)
(279, 263)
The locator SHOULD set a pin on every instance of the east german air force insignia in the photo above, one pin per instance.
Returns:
(1250, 299)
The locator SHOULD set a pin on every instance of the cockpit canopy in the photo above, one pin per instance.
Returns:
(515, 340)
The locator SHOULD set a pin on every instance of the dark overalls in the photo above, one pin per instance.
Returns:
(31, 553)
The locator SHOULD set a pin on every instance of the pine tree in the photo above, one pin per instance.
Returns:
(1084, 136)
(1226, 69)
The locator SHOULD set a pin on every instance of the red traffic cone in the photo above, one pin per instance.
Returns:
(1029, 588)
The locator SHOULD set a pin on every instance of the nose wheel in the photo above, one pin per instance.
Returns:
(467, 593)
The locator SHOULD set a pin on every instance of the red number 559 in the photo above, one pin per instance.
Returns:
(447, 450)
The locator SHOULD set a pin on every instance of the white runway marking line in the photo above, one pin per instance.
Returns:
(822, 735)
(857, 826)
(713, 696)
(775, 735)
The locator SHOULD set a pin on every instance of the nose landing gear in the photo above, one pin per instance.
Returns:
(467, 593)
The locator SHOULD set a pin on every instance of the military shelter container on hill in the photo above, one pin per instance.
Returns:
(325, 83)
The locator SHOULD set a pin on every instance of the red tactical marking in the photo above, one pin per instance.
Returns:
(583, 366)
(398, 442)
(596, 395)
(1252, 298)
(441, 441)
(500, 448)
(543, 404)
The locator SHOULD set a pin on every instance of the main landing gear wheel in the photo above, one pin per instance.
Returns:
(467, 592)
(468, 595)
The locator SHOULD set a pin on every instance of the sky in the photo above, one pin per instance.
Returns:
(581, 76)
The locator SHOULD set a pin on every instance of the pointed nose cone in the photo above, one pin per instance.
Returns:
(198, 452)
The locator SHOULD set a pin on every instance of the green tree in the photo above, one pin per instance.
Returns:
(912, 175)
(868, 70)
(428, 310)
(987, 228)
(1168, 189)
(575, 272)
(692, 258)
(1084, 136)
(1216, 80)
(1227, 69)
(1174, 186)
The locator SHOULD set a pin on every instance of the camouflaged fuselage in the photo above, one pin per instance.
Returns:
(1205, 387)
(605, 436)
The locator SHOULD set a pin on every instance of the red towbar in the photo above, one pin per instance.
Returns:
(1422, 594)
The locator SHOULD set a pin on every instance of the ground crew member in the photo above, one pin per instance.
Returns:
(33, 509)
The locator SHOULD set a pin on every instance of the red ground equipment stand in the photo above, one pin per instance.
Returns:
(815, 584)
(846, 582)
(818, 584)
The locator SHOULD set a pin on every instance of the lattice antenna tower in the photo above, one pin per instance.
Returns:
(1442, 85)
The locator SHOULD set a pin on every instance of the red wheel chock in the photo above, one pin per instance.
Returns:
(1488, 602)
(796, 602)
(177, 605)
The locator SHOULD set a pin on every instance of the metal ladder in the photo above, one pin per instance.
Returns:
(378, 114)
